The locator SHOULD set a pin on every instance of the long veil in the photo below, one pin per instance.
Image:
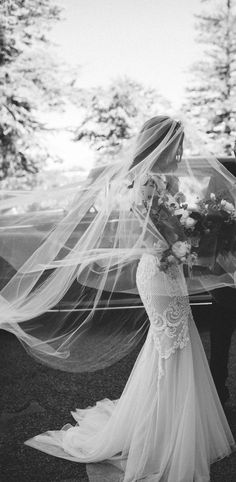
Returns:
(91, 253)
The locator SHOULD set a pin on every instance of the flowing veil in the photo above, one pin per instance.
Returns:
(96, 245)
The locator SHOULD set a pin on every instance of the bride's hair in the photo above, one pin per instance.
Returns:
(163, 126)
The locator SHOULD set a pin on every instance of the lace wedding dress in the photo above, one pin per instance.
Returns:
(168, 425)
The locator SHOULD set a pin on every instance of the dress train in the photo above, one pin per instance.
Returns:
(168, 425)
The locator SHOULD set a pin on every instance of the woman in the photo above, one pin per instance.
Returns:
(168, 425)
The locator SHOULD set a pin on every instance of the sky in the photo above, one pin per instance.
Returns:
(152, 41)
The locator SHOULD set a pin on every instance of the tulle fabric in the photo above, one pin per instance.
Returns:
(168, 425)
(92, 249)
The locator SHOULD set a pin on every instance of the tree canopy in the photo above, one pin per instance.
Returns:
(30, 80)
(115, 113)
(211, 94)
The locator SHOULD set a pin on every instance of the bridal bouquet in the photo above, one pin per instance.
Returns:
(215, 217)
(211, 226)
(205, 231)
(167, 213)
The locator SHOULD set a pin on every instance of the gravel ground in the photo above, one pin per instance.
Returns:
(35, 398)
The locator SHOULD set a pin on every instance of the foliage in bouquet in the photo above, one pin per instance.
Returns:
(214, 219)
(206, 231)
(166, 212)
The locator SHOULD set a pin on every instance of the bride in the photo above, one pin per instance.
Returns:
(143, 237)
(168, 425)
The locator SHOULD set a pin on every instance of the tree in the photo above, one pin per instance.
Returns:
(211, 97)
(30, 81)
(115, 113)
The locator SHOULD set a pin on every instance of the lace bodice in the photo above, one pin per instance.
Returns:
(168, 314)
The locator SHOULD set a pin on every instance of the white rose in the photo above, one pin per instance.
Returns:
(180, 249)
(184, 217)
(190, 222)
(185, 214)
(223, 202)
(228, 207)
(179, 211)
(212, 196)
(171, 258)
